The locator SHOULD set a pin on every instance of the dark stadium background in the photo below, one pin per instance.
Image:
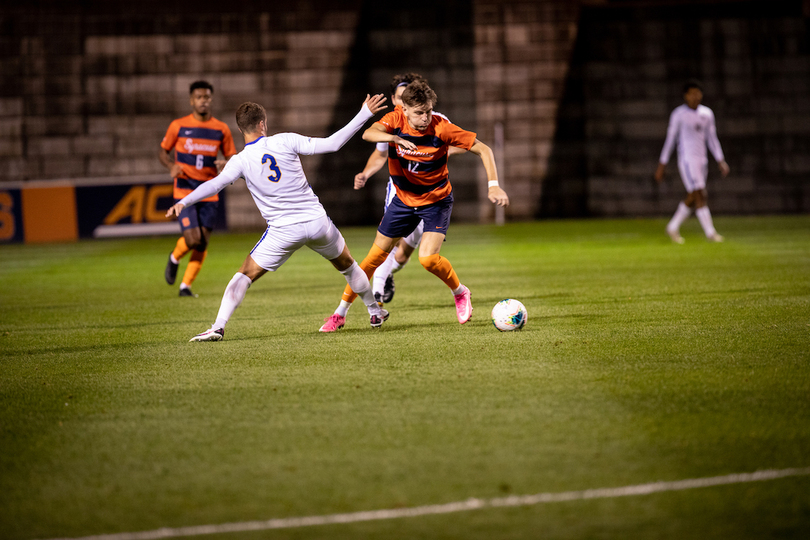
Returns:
(582, 91)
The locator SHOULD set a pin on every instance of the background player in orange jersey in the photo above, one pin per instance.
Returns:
(383, 281)
(418, 168)
(196, 140)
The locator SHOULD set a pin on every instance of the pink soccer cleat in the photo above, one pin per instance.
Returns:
(334, 323)
(463, 306)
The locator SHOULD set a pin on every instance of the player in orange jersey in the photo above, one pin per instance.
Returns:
(196, 140)
(383, 281)
(418, 168)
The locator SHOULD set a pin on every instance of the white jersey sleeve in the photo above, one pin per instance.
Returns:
(382, 147)
(230, 173)
(335, 142)
(711, 139)
(672, 138)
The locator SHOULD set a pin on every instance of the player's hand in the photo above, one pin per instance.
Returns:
(659, 172)
(175, 170)
(375, 103)
(407, 145)
(360, 180)
(498, 196)
(219, 164)
(724, 168)
(175, 210)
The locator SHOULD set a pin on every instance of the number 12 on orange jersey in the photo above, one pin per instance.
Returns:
(275, 172)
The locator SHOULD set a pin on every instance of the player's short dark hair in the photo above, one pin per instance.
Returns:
(692, 83)
(419, 93)
(249, 115)
(205, 85)
(406, 78)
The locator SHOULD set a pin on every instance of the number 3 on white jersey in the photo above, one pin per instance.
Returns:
(275, 172)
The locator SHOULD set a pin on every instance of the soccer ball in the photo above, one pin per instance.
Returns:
(509, 314)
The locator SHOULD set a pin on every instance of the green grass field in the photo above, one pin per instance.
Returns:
(641, 361)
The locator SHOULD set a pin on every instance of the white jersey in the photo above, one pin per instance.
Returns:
(693, 130)
(272, 170)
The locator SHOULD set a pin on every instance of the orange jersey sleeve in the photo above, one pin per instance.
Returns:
(170, 138)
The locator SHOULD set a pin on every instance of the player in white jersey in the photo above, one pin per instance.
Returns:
(295, 217)
(383, 280)
(692, 126)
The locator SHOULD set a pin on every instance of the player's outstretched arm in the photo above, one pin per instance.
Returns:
(494, 192)
(375, 103)
(375, 162)
(175, 210)
(377, 133)
(336, 140)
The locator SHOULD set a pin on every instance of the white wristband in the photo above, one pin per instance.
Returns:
(492, 183)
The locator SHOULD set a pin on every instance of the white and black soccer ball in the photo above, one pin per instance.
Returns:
(509, 314)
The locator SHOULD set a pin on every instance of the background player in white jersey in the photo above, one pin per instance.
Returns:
(692, 126)
(383, 280)
(295, 217)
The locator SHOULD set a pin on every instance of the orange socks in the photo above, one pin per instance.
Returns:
(180, 249)
(375, 258)
(441, 268)
(194, 265)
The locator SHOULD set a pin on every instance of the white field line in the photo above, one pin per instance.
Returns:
(453, 507)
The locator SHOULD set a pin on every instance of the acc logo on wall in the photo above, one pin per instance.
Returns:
(51, 211)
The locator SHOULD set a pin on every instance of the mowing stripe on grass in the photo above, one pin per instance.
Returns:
(449, 508)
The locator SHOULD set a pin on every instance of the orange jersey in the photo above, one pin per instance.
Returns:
(196, 145)
(420, 176)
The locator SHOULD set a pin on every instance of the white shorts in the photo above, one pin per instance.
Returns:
(277, 244)
(415, 237)
(693, 174)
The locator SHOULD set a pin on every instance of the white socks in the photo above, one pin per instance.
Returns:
(343, 308)
(705, 218)
(234, 294)
(680, 216)
(388, 267)
(358, 281)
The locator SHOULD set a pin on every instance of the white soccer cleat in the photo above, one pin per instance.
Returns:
(715, 238)
(377, 320)
(676, 237)
(213, 334)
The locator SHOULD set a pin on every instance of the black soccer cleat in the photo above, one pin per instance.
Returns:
(389, 289)
(378, 298)
(187, 292)
(171, 271)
